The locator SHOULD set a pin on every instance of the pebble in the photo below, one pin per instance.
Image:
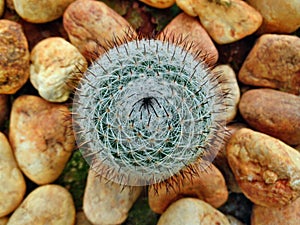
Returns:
(208, 185)
(192, 211)
(52, 73)
(48, 204)
(272, 112)
(12, 182)
(2, 7)
(92, 26)
(278, 16)
(229, 85)
(273, 62)
(4, 108)
(107, 203)
(14, 61)
(225, 20)
(266, 169)
(161, 4)
(189, 29)
(289, 214)
(41, 136)
(36, 11)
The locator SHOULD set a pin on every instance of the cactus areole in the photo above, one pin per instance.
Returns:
(145, 110)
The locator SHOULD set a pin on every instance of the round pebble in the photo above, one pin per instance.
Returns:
(52, 73)
(14, 63)
(92, 25)
(12, 182)
(266, 169)
(192, 211)
(49, 204)
(40, 11)
(41, 137)
(272, 112)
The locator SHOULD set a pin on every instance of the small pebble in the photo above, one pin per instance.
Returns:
(159, 3)
(12, 182)
(41, 136)
(54, 74)
(192, 211)
(273, 62)
(272, 112)
(107, 203)
(48, 204)
(266, 169)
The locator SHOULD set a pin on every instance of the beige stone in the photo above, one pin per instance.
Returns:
(278, 16)
(229, 85)
(81, 219)
(225, 20)
(289, 214)
(3, 220)
(3, 107)
(92, 27)
(49, 204)
(14, 63)
(273, 62)
(53, 73)
(187, 32)
(272, 112)
(2, 7)
(159, 3)
(267, 170)
(208, 185)
(41, 137)
(192, 211)
(41, 11)
(12, 182)
(107, 203)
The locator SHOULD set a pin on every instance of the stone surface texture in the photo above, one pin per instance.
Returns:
(192, 211)
(289, 214)
(187, 32)
(208, 185)
(272, 112)
(107, 203)
(40, 11)
(159, 3)
(225, 20)
(52, 73)
(92, 26)
(278, 16)
(266, 169)
(273, 62)
(12, 183)
(41, 136)
(14, 58)
(48, 204)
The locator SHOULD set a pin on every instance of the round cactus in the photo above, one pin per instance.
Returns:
(145, 110)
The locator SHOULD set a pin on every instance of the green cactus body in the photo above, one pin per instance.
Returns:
(145, 110)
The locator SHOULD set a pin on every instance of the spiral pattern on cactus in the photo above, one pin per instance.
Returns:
(145, 110)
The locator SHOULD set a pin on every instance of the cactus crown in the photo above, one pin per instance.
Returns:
(145, 110)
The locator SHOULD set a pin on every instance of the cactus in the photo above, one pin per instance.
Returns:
(145, 110)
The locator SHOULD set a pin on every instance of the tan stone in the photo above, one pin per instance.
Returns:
(41, 137)
(208, 185)
(92, 26)
(229, 85)
(267, 170)
(192, 211)
(3, 220)
(49, 204)
(273, 62)
(272, 112)
(278, 16)
(159, 3)
(81, 219)
(289, 214)
(41, 11)
(14, 63)
(107, 203)
(3, 107)
(51, 72)
(225, 20)
(12, 182)
(2, 7)
(185, 30)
